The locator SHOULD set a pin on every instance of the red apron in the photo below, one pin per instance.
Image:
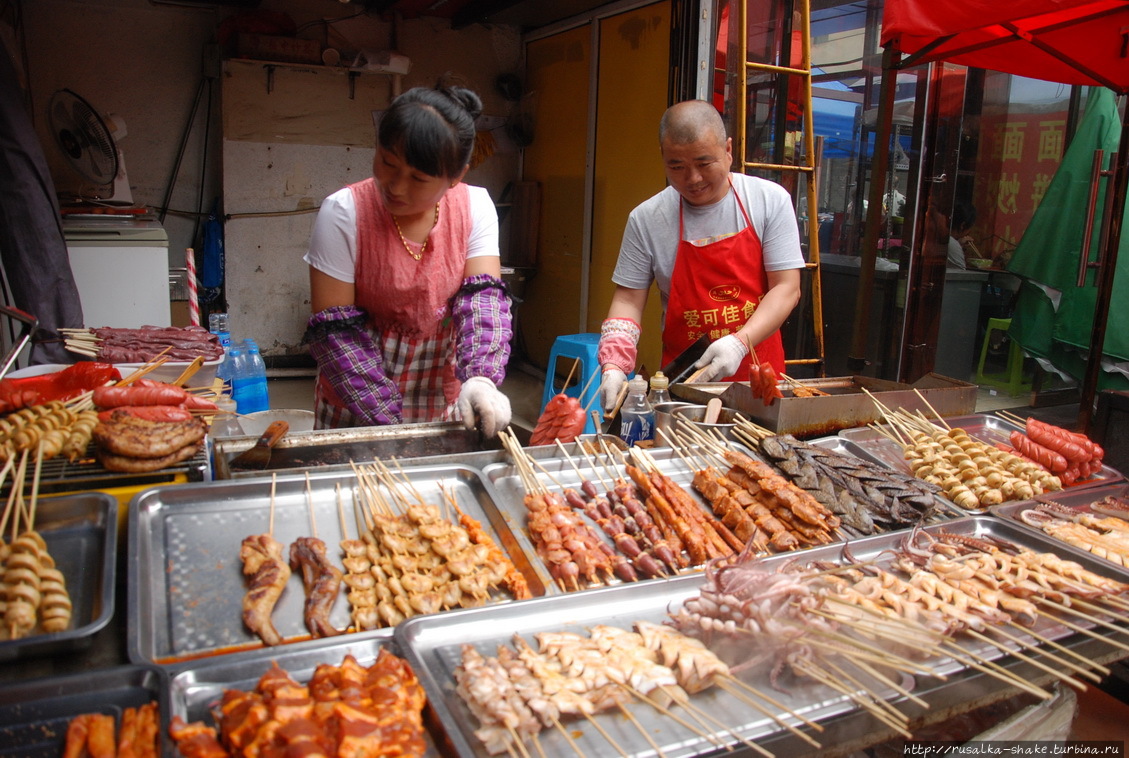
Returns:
(714, 290)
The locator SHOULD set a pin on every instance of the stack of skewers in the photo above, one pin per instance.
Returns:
(853, 627)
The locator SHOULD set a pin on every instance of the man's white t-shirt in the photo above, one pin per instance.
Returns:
(650, 239)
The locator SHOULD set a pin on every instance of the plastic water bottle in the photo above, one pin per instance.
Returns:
(249, 380)
(637, 416)
(660, 389)
(218, 325)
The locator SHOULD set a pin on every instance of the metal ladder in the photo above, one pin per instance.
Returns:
(808, 168)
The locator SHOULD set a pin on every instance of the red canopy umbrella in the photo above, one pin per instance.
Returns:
(1069, 41)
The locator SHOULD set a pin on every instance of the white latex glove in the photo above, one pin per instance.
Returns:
(480, 401)
(610, 386)
(722, 358)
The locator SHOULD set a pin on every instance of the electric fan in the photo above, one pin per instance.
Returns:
(87, 140)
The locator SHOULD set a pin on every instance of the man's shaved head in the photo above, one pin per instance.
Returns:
(691, 121)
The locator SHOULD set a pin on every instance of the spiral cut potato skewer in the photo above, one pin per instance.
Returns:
(972, 474)
(24, 429)
(33, 589)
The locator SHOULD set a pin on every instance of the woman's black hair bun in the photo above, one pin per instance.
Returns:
(467, 99)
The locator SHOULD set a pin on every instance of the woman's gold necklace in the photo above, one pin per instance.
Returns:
(404, 241)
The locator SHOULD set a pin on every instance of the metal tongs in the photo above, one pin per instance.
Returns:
(30, 324)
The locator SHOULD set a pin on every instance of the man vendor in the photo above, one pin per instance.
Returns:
(723, 248)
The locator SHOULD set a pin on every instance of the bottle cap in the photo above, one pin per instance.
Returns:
(659, 381)
(638, 384)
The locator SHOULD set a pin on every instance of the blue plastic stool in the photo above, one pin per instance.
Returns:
(581, 347)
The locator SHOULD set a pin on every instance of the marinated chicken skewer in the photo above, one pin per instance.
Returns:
(263, 563)
(320, 578)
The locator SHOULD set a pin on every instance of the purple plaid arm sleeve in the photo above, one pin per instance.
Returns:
(481, 310)
(349, 359)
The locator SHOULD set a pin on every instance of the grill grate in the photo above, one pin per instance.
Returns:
(86, 473)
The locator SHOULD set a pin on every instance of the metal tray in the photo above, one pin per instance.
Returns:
(946, 509)
(1075, 499)
(873, 549)
(844, 406)
(299, 451)
(81, 532)
(193, 691)
(433, 648)
(34, 715)
(984, 427)
(186, 585)
(558, 473)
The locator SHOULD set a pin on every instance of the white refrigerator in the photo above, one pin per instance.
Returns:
(121, 267)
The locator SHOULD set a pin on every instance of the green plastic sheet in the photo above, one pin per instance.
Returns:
(1048, 255)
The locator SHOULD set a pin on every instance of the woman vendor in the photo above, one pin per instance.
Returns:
(411, 320)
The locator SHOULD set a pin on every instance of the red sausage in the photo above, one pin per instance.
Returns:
(1049, 459)
(1057, 439)
(163, 394)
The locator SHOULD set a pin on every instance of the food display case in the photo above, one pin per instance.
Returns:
(182, 592)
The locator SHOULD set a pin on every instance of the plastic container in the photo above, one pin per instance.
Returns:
(660, 389)
(249, 378)
(225, 423)
(637, 417)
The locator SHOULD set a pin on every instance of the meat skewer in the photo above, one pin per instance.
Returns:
(321, 579)
(263, 563)
(358, 576)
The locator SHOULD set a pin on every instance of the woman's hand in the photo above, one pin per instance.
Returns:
(483, 405)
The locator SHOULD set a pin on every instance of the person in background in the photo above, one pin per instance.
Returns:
(411, 320)
(33, 250)
(961, 248)
(723, 248)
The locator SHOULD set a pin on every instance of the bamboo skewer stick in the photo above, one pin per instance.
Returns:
(929, 405)
(604, 733)
(879, 701)
(310, 505)
(518, 742)
(1088, 632)
(820, 676)
(273, 483)
(1063, 649)
(1060, 661)
(768, 712)
(737, 683)
(650, 740)
(1081, 686)
(991, 668)
(705, 735)
(567, 736)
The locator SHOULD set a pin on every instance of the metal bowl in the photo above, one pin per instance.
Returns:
(664, 418)
(693, 415)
